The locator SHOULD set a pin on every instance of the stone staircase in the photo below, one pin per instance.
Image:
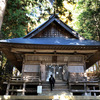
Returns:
(60, 88)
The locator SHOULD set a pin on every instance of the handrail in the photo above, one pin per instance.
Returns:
(25, 78)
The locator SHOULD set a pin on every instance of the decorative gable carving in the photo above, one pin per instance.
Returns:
(54, 30)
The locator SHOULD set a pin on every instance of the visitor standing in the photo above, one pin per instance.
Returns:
(52, 82)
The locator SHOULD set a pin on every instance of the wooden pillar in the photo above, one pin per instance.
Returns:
(23, 65)
(94, 89)
(93, 68)
(99, 64)
(84, 66)
(43, 72)
(99, 85)
(96, 68)
(12, 90)
(69, 87)
(20, 86)
(85, 88)
(54, 71)
(65, 72)
(8, 87)
(24, 85)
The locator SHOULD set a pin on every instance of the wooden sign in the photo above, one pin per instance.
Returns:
(76, 69)
(31, 68)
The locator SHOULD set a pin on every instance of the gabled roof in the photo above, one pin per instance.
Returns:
(53, 18)
(52, 41)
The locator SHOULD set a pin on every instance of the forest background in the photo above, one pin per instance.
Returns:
(19, 17)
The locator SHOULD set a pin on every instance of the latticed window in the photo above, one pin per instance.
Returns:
(52, 32)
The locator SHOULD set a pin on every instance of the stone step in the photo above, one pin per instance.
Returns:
(56, 85)
(46, 84)
(59, 87)
(55, 89)
(48, 93)
(55, 82)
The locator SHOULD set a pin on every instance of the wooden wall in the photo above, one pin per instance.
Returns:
(34, 65)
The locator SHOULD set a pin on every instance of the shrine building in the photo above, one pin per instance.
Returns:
(52, 48)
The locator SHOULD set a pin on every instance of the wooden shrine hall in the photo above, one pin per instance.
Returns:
(52, 48)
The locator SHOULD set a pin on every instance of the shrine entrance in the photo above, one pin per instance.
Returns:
(56, 71)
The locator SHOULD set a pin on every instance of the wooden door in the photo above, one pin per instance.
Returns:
(65, 72)
(58, 72)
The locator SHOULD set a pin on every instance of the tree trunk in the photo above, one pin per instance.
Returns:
(3, 4)
(2, 11)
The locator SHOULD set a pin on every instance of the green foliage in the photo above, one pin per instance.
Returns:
(59, 3)
(15, 20)
(39, 12)
(42, 10)
(4, 77)
(88, 19)
(5, 73)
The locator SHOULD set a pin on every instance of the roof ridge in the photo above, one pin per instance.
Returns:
(53, 17)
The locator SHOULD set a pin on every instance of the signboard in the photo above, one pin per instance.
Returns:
(76, 69)
(31, 68)
(39, 89)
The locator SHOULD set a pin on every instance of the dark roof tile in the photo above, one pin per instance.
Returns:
(53, 41)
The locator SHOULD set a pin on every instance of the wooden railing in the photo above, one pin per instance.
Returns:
(27, 78)
(73, 77)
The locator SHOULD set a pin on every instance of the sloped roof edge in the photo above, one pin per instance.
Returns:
(55, 41)
(48, 22)
(37, 29)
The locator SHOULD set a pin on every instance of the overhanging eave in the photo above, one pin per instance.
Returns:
(93, 59)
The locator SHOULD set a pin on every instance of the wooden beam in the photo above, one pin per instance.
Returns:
(8, 87)
(84, 90)
(16, 50)
(93, 90)
(17, 90)
(53, 55)
(77, 90)
(45, 62)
